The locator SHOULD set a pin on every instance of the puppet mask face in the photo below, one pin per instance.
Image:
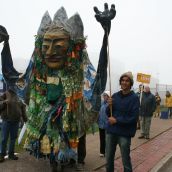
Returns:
(54, 48)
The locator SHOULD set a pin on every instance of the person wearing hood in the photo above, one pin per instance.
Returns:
(102, 120)
(168, 103)
(122, 122)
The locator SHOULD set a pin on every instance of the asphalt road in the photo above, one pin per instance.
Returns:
(167, 167)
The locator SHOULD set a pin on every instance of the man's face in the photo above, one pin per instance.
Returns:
(54, 49)
(105, 97)
(125, 83)
(147, 89)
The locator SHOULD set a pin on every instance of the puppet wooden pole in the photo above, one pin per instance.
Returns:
(105, 18)
(109, 71)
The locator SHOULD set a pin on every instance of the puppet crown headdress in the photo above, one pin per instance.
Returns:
(73, 25)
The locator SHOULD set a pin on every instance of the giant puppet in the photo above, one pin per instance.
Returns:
(63, 87)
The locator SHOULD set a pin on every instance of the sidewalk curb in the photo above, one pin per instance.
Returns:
(158, 167)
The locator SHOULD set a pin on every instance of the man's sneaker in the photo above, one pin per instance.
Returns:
(141, 137)
(2, 159)
(102, 155)
(13, 157)
(79, 167)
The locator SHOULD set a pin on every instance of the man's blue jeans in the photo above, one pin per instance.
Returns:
(9, 129)
(124, 143)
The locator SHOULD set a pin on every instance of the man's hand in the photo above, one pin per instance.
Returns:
(112, 120)
(106, 16)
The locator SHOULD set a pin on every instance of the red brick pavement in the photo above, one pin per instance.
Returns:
(147, 155)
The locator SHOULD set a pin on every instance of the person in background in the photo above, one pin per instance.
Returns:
(12, 110)
(139, 93)
(147, 108)
(122, 123)
(102, 120)
(168, 103)
(141, 87)
(158, 101)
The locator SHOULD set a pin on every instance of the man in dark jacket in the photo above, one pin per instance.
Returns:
(122, 123)
(148, 105)
(12, 110)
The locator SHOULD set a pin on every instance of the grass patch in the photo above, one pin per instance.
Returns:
(19, 147)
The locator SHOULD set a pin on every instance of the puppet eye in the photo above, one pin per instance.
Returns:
(57, 47)
(45, 48)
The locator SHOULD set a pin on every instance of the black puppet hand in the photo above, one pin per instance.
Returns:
(3, 34)
(106, 16)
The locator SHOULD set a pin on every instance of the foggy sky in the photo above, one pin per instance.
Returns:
(140, 38)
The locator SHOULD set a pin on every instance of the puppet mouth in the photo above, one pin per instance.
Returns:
(54, 58)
